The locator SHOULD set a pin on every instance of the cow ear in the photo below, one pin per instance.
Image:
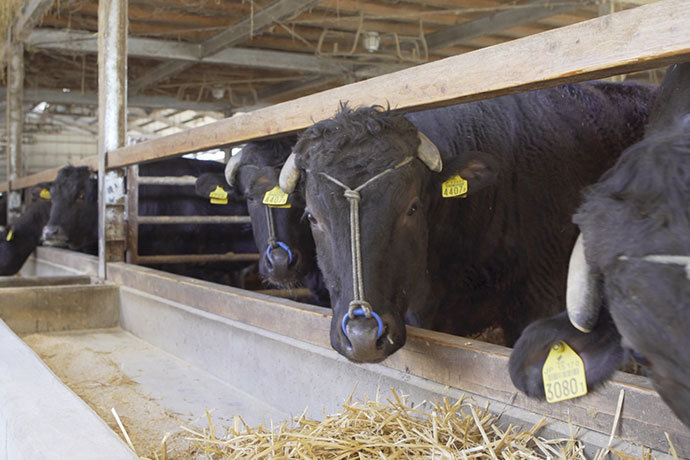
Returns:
(207, 183)
(479, 169)
(600, 351)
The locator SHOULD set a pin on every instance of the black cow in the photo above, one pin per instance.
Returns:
(498, 256)
(289, 260)
(18, 240)
(630, 287)
(73, 220)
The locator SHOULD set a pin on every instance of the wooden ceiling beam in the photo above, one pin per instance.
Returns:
(505, 19)
(29, 17)
(56, 96)
(85, 42)
(235, 34)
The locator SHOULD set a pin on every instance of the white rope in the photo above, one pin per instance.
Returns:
(354, 198)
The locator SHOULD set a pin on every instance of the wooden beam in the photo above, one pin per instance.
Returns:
(237, 33)
(502, 20)
(638, 39)
(73, 41)
(112, 129)
(15, 122)
(29, 17)
(56, 96)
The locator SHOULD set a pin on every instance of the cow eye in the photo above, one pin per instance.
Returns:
(412, 209)
(80, 195)
(311, 218)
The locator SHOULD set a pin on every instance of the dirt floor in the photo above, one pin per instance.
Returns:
(153, 392)
(100, 382)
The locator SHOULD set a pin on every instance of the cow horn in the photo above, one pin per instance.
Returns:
(231, 168)
(428, 153)
(289, 175)
(581, 301)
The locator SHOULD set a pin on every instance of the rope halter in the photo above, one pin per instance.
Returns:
(273, 241)
(358, 306)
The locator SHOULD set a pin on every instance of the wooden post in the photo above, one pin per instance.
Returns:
(133, 215)
(112, 127)
(15, 122)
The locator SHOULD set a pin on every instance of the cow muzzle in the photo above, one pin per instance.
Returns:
(365, 339)
(280, 262)
(54, 236)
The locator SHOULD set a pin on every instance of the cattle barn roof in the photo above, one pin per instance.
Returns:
(206, 59)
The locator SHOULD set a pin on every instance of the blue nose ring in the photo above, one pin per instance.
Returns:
(284, 247)
(360, 312)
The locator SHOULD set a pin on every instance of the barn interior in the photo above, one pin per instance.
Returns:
(202, 77)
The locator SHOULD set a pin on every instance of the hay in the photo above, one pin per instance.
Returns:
(390, 430)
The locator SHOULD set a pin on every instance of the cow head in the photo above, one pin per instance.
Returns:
(249, 175)
(402, 171)
(73, 218)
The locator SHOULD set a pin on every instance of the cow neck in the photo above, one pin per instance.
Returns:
(665, 259)
(353, 197)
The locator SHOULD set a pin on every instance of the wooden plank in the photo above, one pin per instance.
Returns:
(466, 364)
(197, 258)
(159, 220)
(642, 38)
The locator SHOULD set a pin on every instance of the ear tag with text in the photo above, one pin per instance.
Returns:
(10, 235)
(45, 194)
(276, 198)
(218, 196)
(455, 186)
(563, 374)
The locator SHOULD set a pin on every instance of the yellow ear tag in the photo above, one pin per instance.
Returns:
(45, 194)
(564, 374)
(218, 196)
(455, 186)
(10, 236)
(276, 198)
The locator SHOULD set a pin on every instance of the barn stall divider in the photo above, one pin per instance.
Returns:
(269, 350)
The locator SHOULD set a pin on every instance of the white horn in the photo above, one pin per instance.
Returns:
(289, 175)
(581, 300)
(429, 153)
(231, 168)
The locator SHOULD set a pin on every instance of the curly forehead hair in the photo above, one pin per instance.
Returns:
(335, 140)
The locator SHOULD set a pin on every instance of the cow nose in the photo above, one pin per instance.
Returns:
(53, 235)
(368, 337)
(279, 259)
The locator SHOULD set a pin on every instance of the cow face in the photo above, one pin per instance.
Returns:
(73, 218)
(254, 172)
(395, 210)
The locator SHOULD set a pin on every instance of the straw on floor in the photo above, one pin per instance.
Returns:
(388, 430)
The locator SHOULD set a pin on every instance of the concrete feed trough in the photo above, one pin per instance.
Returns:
(163, 349)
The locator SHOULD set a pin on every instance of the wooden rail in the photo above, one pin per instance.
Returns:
(134, 220)
(642, 38)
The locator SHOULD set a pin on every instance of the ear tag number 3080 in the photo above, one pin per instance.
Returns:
(564, 374)
(218, 196)
(455, 186)
(276, 198)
